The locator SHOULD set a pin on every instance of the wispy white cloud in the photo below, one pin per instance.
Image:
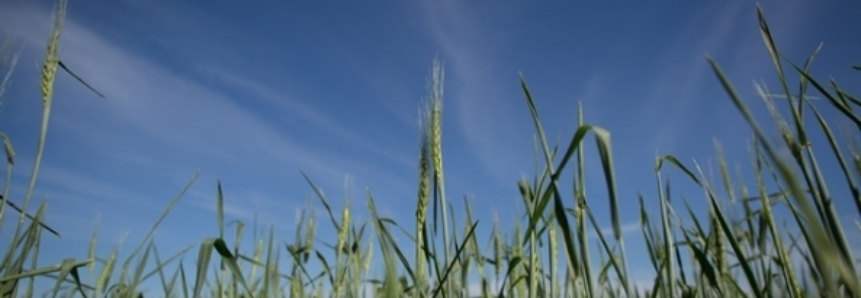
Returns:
(75, 199)
(625, 228)
(163, 126)
(485, 118)
(313, 118)
(729, 34)
(155, 109)
(249, 206)
(677, 87)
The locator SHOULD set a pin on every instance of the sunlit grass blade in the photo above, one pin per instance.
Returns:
(803, 84)
(137, 278)
(391, 285)
(8, 149)
(161, 218)
(5, 48)
(10, 162)
(203, 258)
(666, 259)
(850, 181)
(13, 263)
(323, 200)
(647, 229)
(106, 273)
(165, 285)
(160, 265)
(582, 226)
(70, 267)
(65, 265)
(775, 58)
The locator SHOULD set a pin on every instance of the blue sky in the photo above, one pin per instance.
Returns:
(254, 93)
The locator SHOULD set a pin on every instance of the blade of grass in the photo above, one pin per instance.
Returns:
(391, 285)
(60, 63)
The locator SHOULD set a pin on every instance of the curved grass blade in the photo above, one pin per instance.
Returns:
(391, 285)
(105, 276)
(30, 217)
(203, 258)
(161, 218)
(5, 83)
(222, 249)
(70, 266)
(63, 66)
(853, 187)
(139, 269)
(161, 264)
(674, 161)
(775, 59)
(670, 274)
(29, 243)
(322, 198)
(10, 159)
(45, 270)
(8, 148)
(219, 210)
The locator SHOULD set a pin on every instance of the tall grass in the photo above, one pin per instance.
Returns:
(547, 255)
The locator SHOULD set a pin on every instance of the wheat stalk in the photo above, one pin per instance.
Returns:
(49, 73)
(421, 211)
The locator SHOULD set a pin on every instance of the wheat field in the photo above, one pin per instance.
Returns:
(739, 249)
